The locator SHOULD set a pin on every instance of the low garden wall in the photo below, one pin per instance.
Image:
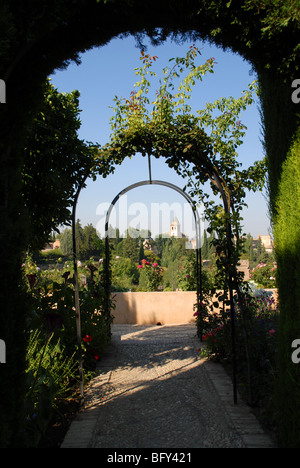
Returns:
(148, 308)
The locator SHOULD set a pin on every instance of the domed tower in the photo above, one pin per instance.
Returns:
(175, 228)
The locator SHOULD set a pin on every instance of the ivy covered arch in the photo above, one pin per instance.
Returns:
(39, 37)
(229, 257)
(173, 132)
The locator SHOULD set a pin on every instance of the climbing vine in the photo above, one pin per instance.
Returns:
(201, 146)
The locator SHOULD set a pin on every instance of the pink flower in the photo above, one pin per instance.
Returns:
(155, 264)
(140, 266)
(271, 332)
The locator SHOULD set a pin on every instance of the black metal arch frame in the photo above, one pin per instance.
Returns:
(217, 181)
(196, 218)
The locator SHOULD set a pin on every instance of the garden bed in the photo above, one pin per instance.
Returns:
(61, 420)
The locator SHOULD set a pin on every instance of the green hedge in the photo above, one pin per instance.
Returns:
(287, 236)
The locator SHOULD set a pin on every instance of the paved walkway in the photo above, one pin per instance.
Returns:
(153, 391)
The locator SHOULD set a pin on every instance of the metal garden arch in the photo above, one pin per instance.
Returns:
(196, 218)
(215, 179)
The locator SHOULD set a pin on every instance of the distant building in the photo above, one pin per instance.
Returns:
(52, 245)
(266, 242)
(56, 244)
(175, 230)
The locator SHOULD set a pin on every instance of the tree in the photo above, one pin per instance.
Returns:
(248, 248)
(141, 251)
(125, 273)
(92, 244)
(55, 163)
(204, 246)
(129, 248)
(66, 242)
(89, 243)
(261, 253)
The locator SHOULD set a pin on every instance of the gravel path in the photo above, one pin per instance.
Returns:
(153, 391)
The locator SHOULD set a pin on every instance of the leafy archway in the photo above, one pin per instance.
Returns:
(43, 36)
(172, 131)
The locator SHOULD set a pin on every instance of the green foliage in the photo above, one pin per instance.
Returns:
(52, 351)
(129, 248)
(173, 254)
(168, 128)
(51, 376)
(187, 274)
(265, 32)
(287, 235)
(55, 155)
(256, 344)
(125, 273)
(264, 275)
(150, 276)
(88, 241)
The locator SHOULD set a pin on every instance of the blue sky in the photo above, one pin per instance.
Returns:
(109, 71)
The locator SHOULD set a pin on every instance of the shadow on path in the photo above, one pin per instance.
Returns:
(153, 391)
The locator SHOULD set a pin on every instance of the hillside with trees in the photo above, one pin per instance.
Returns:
(174, 264)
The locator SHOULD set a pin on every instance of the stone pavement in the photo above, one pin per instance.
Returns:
(154, 391)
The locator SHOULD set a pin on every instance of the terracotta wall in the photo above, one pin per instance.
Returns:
(145, 308)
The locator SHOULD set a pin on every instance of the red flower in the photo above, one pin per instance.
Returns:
(87, 339)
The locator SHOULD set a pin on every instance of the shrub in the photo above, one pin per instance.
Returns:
(150, 275)
(125, 274)
(256, 330)
(52, 360)
(264, 275)
(51, 376)
(187, 274)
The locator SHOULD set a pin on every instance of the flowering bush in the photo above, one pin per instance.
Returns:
(187, 275)
(264, 274)
(150, 275)
(217, 340)
(53, 314)
(255, 341)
